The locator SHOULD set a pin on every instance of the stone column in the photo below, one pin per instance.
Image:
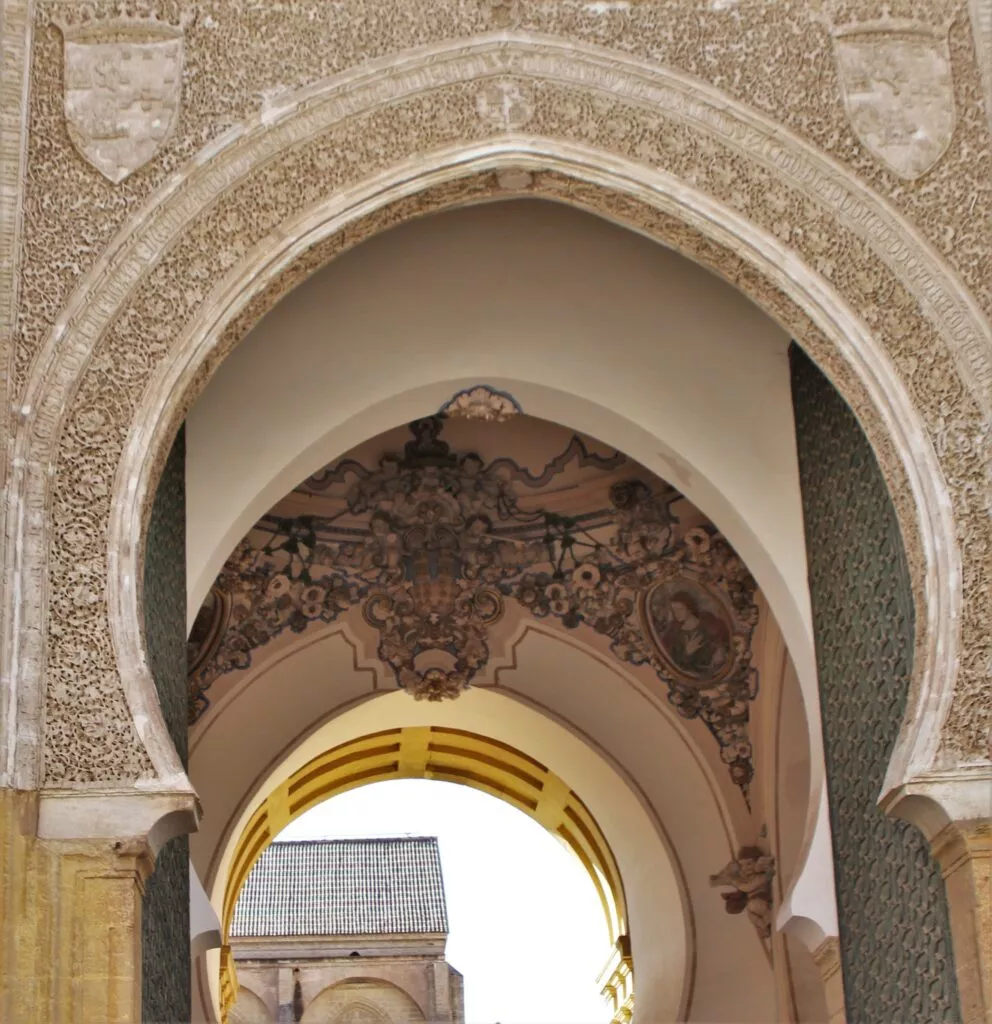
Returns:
(964, 852)
(290, 1002)
(71, 886)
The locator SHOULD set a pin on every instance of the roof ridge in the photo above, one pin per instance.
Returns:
(355, 839)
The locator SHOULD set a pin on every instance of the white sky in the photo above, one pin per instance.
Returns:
(527, 930)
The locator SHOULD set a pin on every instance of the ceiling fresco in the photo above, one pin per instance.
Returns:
(434, 545)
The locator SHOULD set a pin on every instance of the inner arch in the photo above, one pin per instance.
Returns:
(638, 860)
(525, 295)
(312, 585)
(586, 323)
(450, 755)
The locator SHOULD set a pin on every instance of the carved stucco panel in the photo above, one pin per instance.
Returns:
(357, 147)
(240, 59)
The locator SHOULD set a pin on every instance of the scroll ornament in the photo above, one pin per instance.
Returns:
(432, 545)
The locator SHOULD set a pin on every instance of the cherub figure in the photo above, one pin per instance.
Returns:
(750, 876)
(384, 550)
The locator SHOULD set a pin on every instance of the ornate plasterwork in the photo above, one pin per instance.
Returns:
(646, 118)
(749, 877)
(246, 59)
(432, 545)
(981, 27)
(15, 40)
(483, 402)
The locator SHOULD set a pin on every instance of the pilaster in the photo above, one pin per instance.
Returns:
(70, 942)
(827, 959)
(441, 989)
(73, 867)
(953, 809)
(964, 852)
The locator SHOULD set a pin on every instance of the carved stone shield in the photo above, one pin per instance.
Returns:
(898, 92)
(122, 87)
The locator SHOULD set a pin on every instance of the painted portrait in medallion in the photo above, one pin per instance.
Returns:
(690, 628)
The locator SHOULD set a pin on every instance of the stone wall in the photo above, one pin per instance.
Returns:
(895, 938)
(403, 989)
(165, 909)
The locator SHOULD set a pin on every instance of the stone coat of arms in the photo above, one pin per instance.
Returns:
(895, 77)
(123, 80)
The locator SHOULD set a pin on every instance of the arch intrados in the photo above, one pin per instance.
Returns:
(638, 837)
(576, 412)
(310, 744)
(444, 754)
(281, 126)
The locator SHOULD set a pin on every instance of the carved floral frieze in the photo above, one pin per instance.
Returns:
(432, 545)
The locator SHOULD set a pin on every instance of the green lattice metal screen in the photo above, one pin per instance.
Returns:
(895, 936)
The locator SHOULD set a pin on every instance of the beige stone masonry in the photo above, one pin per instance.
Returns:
(70, 943)
(827, 958)
(964, 852)
(72, 876)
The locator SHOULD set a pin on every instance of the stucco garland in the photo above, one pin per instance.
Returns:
(323, 142)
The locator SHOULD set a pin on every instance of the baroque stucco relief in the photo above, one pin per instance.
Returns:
(903, 294)
(749, 878)
(433, 544)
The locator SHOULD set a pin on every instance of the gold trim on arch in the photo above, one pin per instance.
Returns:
(447, 755)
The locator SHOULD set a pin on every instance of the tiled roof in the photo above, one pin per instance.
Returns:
(344, 887)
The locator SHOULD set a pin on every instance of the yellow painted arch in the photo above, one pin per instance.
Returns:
(447, 755)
